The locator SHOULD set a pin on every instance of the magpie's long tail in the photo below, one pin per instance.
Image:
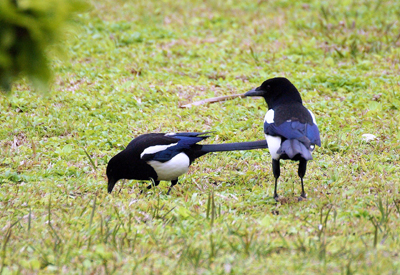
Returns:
(236, 146)
(293, 147)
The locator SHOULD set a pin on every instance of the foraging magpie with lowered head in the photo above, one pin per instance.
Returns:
(165, 157)
(290, 128)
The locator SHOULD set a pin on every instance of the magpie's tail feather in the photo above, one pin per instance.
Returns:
(236, 146)
(293, 147)
(190, 134)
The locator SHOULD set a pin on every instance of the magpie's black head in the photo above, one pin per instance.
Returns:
(113, 172)
(276, 91)
(127, 164)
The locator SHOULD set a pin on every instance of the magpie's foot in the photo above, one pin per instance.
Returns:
(276, 197)
(303, 197)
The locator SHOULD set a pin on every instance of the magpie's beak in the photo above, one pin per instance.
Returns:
(255, 92)
(111, 184)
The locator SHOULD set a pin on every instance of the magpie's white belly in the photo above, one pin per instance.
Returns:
(274, 143)
(172, 169)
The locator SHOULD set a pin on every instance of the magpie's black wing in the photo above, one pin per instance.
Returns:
(307, 132)
(178, 143)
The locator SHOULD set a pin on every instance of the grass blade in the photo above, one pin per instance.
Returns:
(90, 159)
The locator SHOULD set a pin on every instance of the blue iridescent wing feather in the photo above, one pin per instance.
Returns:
(184, 142)
(304, 132)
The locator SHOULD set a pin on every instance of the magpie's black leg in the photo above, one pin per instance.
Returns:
(276, 169)
(156, 183)
(302, 172)
(173, 183)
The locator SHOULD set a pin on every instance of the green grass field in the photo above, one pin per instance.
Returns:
(130, 65)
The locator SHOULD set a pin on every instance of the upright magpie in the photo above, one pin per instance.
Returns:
(290, 128)
(160, 156)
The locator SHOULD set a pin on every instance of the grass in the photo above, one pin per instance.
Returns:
(131, 65)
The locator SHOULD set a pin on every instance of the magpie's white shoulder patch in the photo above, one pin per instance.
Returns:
(155, 149)
(313, 117)
(269, 116)
(170, 134)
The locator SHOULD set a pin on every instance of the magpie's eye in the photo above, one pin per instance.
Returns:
(268, 86)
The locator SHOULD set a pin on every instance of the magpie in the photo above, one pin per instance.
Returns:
(290, 128)
(165, 156)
